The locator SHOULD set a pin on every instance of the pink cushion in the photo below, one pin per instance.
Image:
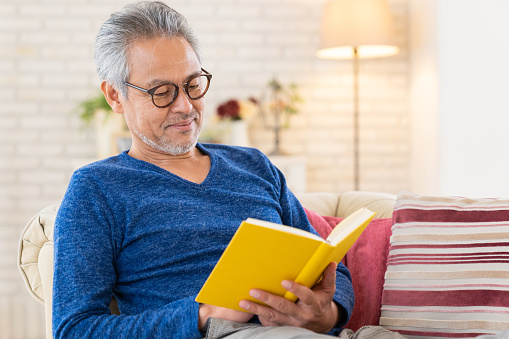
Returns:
(322, 225)
(367, 261)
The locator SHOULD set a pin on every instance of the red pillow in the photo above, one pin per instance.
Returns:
(321, 224)
(367, 262)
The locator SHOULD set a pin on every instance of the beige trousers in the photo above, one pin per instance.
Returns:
(219, 328)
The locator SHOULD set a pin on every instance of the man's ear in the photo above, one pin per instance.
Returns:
(112, 96)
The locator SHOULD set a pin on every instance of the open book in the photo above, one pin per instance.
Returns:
(262, 254)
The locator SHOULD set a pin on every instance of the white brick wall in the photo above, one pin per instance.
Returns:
(46, 69)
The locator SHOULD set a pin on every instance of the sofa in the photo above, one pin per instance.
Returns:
(427, 267)
(35, 255)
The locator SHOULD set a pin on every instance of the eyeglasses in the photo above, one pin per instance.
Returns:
(165, 94)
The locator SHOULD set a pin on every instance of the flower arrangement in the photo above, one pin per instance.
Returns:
(279, 99)
(274, 107)
(278, 103)
(287, 96)
(234, 109)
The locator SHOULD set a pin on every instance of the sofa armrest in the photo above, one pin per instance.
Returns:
(35, 259)
(36, 240)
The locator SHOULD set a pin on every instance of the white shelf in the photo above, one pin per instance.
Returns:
(294, 169)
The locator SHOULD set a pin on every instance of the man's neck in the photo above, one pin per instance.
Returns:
(193, 165)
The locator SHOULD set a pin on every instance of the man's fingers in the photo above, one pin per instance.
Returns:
(278, 310)
(279, 304)
(268, 314)
(309, 312)
(304, 294)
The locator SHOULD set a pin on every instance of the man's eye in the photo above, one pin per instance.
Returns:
(162, 94)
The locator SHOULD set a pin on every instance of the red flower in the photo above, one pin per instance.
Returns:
(229, 110)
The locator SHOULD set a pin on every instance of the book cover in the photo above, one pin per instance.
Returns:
(261, 254)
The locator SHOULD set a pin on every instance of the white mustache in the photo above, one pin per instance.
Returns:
(176, 120)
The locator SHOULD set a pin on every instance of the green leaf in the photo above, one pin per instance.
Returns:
(88, 108)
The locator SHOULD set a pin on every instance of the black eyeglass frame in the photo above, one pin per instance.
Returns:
(185, 86)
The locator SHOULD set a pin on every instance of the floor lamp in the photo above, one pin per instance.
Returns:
(356, 29)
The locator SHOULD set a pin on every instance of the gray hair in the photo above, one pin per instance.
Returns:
(142, 20)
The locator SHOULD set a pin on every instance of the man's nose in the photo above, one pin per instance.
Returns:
(182, 103)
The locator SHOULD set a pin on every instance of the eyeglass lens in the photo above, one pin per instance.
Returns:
(195, 89)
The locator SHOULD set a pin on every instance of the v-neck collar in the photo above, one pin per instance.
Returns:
(161, 170)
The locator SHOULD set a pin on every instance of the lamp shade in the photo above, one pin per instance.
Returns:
(362, 24)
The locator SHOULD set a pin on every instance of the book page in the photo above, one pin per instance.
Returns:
(349, 224)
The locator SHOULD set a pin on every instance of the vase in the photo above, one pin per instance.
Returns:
(109, 126)
(239, 133)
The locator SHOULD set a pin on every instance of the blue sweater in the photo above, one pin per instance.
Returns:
(133, 230)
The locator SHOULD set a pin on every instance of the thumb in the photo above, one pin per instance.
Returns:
(328, 282)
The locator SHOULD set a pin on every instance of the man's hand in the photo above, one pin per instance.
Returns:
(207, 311)
(314, 310)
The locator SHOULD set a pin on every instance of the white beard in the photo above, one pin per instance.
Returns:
(167, 146)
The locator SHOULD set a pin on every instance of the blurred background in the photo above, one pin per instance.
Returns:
(432, 118)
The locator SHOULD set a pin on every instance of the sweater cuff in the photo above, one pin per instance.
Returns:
(344, 295)
(185, 318)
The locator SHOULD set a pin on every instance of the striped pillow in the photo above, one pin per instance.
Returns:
(448, 267)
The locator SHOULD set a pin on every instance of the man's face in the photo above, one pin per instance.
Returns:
(174, 129)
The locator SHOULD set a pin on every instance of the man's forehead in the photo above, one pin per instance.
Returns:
(175, 49)
(159, 55)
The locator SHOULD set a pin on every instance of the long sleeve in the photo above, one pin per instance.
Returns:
(86, 249)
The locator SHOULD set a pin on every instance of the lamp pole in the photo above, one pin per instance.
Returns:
(364, 26)
(356, 118)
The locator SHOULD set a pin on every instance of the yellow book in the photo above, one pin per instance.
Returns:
(262, 254)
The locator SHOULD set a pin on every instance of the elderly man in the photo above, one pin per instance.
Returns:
(147, 226)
